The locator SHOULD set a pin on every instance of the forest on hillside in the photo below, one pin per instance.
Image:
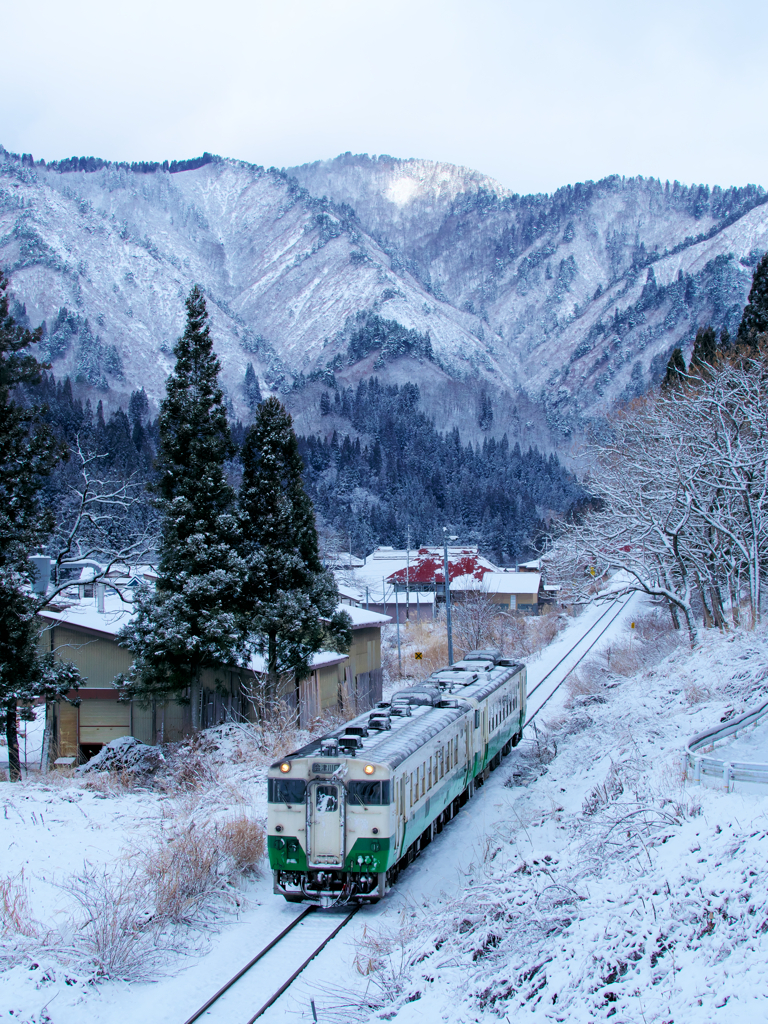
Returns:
(390, 471)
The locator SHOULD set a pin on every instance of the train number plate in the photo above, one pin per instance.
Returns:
(324, 767)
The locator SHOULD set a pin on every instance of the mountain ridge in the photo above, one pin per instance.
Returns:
(569, 302)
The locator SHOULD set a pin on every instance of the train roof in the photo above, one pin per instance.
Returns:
(408, 734)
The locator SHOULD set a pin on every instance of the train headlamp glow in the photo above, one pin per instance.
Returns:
(369, 769)
(285, 766)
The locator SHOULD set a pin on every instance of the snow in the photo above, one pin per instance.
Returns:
(402, 191)
(585, 880)
(751, 745)
(501, 583)
(361, 618)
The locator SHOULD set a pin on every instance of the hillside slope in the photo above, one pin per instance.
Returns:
(568, 303)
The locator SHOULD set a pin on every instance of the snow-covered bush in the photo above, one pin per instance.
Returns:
(125, 754)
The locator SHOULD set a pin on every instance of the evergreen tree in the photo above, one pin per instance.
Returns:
(189, 622)
(754, 321)
(251, 388)
(704, 348)
(28, 452)
(289, 600)
(675, 370)
(485, 413)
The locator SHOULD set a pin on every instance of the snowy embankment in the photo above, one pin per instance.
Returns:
(601, 884)
(586, 880)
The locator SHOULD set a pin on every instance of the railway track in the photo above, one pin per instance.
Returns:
(241, 1000)
(584, 653)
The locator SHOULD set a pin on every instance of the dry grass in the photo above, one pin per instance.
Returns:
(243, 840)
(385, 956)
(188, 876)
(695, 693)
(15, 911)
(638, 649)
(516, 636)
(116, 933)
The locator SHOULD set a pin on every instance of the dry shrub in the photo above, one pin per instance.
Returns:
(118, 934)
(604, 794)
(15, 911)
(626, 659)
(428, 637)
(278, 730)
(385, 957)
(243, 840)
(477, 623)
(112, 783)
(183, 875)
(190, 769)
(586, 681)
(695, 693)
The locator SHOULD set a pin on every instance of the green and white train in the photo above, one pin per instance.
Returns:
(350, 810)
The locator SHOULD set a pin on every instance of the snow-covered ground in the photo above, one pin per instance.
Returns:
(585, 881)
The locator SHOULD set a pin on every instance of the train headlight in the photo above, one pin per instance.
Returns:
(369, 769)
(285, 766)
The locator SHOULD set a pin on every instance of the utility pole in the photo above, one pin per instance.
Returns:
(408, 576)
(397, 620)
(447, 594)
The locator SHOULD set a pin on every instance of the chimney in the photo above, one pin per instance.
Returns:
(100, 589)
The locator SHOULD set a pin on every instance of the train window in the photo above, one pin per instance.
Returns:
(376, 793)
(430, 774)
(423, 777)
(326, 799)
(286, 791)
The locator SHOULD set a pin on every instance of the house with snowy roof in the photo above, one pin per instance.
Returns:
(84, 632)
(412, 575)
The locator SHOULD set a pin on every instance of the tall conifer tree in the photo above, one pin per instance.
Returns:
(675, 370)
(189, 623)
(28, 453)
(755, 318)
(289, 599)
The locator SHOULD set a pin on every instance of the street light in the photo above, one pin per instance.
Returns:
(446, 538)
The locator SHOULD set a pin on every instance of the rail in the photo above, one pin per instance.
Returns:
(262, 953)
(698, 765)
(578, 661)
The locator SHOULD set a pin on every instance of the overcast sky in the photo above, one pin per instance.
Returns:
(536, 94)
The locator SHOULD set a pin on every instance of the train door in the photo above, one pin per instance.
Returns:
(325, 822)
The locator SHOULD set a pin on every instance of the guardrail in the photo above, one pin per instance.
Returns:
(698, 765)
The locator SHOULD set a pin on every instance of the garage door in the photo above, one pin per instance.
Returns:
(104, 720)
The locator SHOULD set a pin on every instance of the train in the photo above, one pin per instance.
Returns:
(350, 810)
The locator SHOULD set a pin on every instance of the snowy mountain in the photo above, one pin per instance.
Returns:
(413, 270)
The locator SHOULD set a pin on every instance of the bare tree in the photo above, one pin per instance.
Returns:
(95, 525)
(682, 484)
